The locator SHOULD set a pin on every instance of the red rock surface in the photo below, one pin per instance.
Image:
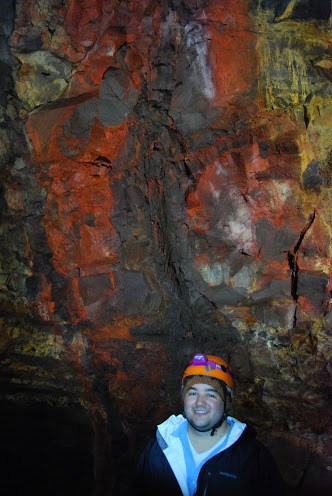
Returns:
(168, 190)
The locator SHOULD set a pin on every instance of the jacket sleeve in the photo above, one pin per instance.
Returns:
(268, 478)
(154, 475)
(143, 475)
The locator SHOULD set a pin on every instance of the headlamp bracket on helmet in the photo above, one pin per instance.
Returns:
(203, 360)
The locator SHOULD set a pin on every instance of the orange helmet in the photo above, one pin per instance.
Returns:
(210, 366)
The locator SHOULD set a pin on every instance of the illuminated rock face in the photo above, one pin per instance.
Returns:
(166, 189)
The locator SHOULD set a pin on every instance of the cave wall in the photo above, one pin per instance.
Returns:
(165, 188)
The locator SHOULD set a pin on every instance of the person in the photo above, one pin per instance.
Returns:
(204, 451)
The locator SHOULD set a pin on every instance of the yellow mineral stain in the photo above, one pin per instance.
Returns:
(306, 153)
(31, 342)
(325, 64)
(288, 11)
(286, 53)
(292, 58)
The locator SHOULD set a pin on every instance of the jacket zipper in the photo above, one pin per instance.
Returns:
(207, 482)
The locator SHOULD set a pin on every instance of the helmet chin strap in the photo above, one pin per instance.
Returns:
(219, 423)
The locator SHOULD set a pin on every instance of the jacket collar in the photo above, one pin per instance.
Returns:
(167, 431)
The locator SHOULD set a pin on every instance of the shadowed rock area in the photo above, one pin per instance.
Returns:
(165, 189)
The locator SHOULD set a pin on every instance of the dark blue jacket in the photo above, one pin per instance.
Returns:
(244, 469)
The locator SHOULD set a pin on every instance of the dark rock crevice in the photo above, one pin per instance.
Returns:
(293, 262)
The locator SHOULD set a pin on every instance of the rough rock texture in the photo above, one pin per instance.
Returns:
(165, 188)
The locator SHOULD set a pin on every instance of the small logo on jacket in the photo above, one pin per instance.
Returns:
(227, 474)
